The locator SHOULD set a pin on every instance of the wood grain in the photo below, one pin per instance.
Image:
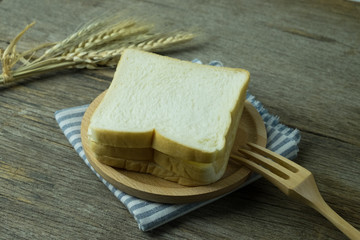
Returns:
(303, 57)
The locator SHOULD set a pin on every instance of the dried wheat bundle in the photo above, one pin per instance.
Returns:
(98, 44)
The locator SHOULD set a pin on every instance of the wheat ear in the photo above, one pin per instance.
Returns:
(110, 58)
(99, 44)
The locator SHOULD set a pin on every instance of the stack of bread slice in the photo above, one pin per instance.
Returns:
(170, 118)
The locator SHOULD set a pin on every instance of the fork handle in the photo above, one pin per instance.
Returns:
(325, 210)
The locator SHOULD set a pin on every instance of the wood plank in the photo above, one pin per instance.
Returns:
(304, 61)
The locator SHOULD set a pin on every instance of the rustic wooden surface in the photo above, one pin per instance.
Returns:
(304, 60)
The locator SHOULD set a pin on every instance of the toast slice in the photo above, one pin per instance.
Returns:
(182, 171)
(121, 152)
(182, 115)
(181, 109)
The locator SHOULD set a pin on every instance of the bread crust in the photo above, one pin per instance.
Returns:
(127, 153)
(124, 144)
(182, 171)
(110, 145)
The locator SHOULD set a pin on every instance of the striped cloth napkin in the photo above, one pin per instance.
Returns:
(149, 215)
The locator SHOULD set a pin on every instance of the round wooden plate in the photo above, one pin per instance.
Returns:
(152, 188)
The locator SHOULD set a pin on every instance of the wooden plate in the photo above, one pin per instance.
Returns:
(148, 187)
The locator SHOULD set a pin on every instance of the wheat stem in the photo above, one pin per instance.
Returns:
(59, 47)
(99, 44)
(105, 37)
(9, 57)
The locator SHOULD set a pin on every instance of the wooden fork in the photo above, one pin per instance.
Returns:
(294, 180)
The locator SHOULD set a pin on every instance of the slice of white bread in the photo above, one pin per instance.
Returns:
(148, 160)
(187, 111)
(126, 153)
(170, 105)
(184, 172)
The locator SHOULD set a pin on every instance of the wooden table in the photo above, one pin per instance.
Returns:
(304, 60)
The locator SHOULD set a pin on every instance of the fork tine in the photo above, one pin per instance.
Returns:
(266, 173)
(286, 163)
(267, 163)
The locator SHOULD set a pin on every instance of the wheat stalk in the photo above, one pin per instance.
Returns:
(88, 30)
(118, 32)
(110, 57)
(99, 44)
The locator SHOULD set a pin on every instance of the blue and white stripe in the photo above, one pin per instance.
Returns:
(149, 215)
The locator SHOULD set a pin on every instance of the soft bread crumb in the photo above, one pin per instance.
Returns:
(187, 112)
